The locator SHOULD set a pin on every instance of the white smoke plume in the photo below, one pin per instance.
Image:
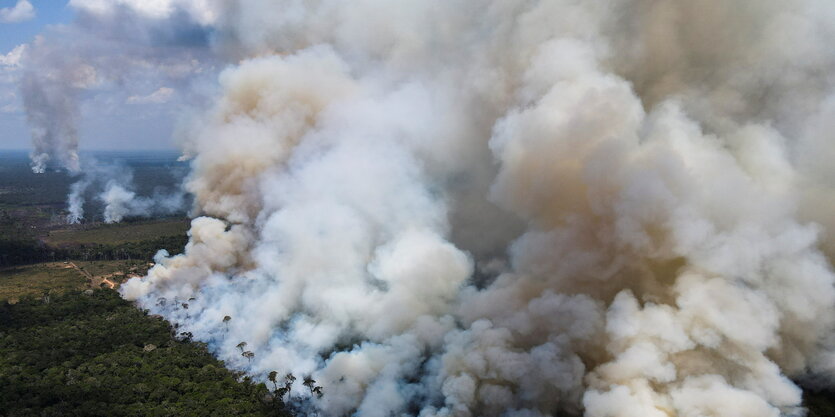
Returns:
(75, 199)
(120, 202)
(112, 185)
(517, 208)
(50, 98)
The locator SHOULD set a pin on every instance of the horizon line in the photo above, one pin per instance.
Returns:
(100, 150)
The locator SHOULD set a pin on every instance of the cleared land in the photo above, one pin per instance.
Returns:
(110, 234)
(124, 267)
(60, 277)
(35, 280)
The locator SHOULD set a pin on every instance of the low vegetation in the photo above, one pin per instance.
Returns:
(36, 280)
(117, 234)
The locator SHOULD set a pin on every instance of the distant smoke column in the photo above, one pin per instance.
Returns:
(116, 199)
(75, 200)
(52, 111)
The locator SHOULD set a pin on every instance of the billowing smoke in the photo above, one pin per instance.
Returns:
(517, 208)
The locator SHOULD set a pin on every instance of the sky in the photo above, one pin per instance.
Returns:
(14, 133)
(142, 80)
(46, 12)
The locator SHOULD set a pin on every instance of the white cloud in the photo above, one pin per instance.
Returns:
(160, 96)
(21, 11)
(202, 11)
(12, 59)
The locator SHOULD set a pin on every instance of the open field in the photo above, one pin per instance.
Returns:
(109, 234)
(55, 277)
(123, 267)
(60, 277)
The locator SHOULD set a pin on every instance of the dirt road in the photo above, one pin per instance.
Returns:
(95, 282)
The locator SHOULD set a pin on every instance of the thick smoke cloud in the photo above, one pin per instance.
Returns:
(517, 208)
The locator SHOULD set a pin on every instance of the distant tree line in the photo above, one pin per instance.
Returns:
(28, 251)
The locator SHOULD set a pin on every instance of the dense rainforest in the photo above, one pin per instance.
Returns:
(93, 354)
(28, 251)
